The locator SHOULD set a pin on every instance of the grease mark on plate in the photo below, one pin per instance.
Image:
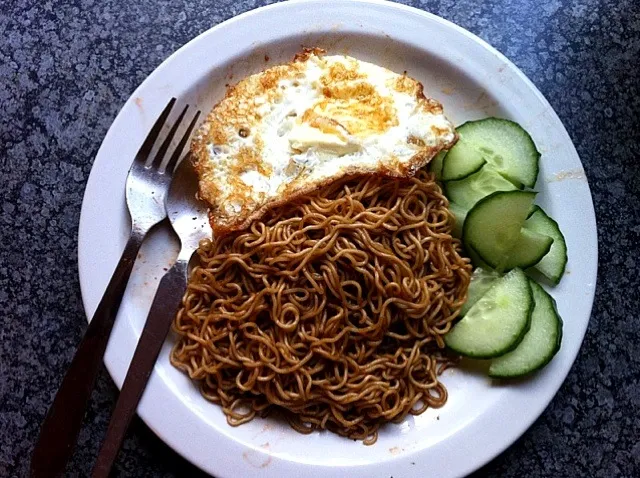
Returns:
(484, 103)
(266, 428)
(256, 459)
(577, 174)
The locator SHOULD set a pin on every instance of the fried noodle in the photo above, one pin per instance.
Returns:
(331, 309)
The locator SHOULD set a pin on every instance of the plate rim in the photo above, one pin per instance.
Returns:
(525, 424)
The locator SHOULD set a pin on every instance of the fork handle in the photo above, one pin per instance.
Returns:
(163, 310)
(62, 424)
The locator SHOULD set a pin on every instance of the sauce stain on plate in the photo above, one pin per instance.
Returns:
(255, 459)
(565, 175)
(266, 428)
(396, 450)
(484, 103)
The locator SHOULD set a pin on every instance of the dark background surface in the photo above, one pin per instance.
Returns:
(67, 67)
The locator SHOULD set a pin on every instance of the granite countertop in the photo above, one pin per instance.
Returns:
(66, 68)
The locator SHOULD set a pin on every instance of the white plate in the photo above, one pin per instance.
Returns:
(472, 80)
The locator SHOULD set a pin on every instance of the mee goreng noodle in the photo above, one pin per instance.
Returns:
(330, 310)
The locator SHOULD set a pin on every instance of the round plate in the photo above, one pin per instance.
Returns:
(472, 80)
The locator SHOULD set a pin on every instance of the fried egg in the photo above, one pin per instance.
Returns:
(294, 128)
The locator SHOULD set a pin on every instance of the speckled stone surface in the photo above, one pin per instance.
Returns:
(67, 67)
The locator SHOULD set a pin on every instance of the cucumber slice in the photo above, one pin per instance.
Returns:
(493, 225)
(459, 214)
(435, 166)
(481, 282)
(539, 345)
(475, 258)
(497, 322)
(529, 249)
(552, 265)
(471, 189)
(461, 161)
(501, 143)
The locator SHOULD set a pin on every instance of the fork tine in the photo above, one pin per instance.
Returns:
(145, 149)
(157, 161)
(185, 137)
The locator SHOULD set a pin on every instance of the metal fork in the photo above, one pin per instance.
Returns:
(188, 216)
(146, 187)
